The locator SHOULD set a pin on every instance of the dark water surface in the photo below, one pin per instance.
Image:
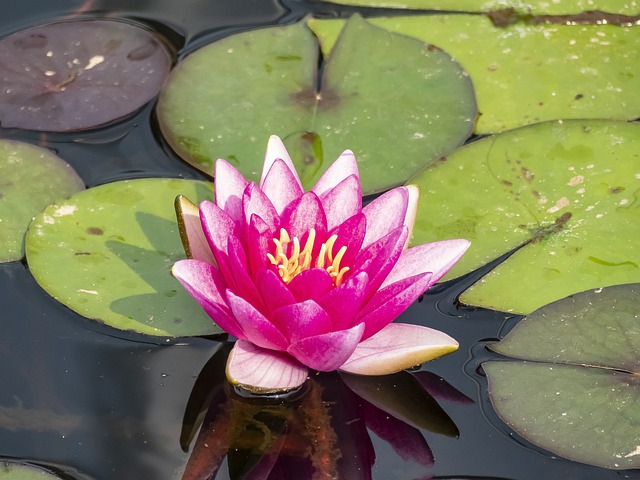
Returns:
(96, 403)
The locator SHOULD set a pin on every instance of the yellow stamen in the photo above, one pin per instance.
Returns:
(298, 261)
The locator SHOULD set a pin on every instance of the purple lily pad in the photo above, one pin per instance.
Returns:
(77, 75)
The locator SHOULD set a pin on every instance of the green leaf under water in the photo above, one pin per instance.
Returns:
(30, 179)
(528, 73)
(578, 393)
(16, 471)
(568, 190)
(398, 103)
(107, 254)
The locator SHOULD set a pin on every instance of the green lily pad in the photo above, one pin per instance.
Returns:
(397, 103)
(107, 254)
(30, 179)
(579, 398)
(528, 73)
(568, 191)
(15, 471)
(563, 7)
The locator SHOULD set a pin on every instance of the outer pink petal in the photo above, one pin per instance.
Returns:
(343, 201)
(328, 351)
(396, 347)
(191, 233)
(302, 320)
(436, 257)
(344, 166)
(311, 284)
(276, 150)
(257, 328)
(229, 185)
(281, 185)
(217, 225)
(385, 214)
(389, 302)
(263, 371)
(256, 202)
(206, 285)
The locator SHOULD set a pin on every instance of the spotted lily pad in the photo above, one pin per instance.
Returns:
(528, 73)
(107, 253)
(16, 471)
(30, 179)
(557, 7)
(78, 74)
(568, 191)
(398, 103)
(578, 393)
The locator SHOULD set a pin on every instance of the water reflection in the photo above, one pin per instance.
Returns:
(322, 431)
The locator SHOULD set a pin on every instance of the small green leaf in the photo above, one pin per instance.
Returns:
(568, 190)
(398, 103)
(528, 73)
(15, 471)
(107, 253)
(30, 179)
(580, 397)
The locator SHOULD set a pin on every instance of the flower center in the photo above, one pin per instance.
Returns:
(290, 260)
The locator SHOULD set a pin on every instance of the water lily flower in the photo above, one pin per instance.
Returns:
(310, 279)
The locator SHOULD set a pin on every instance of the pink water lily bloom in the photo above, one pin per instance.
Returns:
(310, 279)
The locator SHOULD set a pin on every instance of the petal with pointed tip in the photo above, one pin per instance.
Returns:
(281, 185)
(328, 351)
(257, 328)
(244, 285)
(435, 257)
(256, 202)
(193, 239)
(343, 201)
(350, 234)
(396, 347)
(311, 284)
(344, 302)
(229, 185)
(276, 150)
(344, 166)
(385, 214)
(389, 302)
(302, 320)
(217, 225)
(206, 285)
(263, 371)
(304, 214)
(274, 292)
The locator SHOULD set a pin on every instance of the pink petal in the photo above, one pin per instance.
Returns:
(243, 284)
(276, 150)
(217, 225)
(205, 284)
(344, 166)
(302, 320)
(311, 284)
(259, 238)
(343, 201)
(436, 257)
(343, 302)
(385, 214)
(389, 302)
(229, 185)
(281, 185)
(191, 233)
(274, 292)
(328, 351)
(350, 234)
(396, 347)
(263, 371)
(256, 202)
(302, 215)
(257, 328)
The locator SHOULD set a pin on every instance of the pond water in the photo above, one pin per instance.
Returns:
(90, 402)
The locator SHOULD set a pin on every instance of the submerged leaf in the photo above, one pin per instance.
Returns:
(16, 471)
(560, 188)
(398, 103)
(580, 397)
(107, 253)
(78, 74)
(30, 179)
